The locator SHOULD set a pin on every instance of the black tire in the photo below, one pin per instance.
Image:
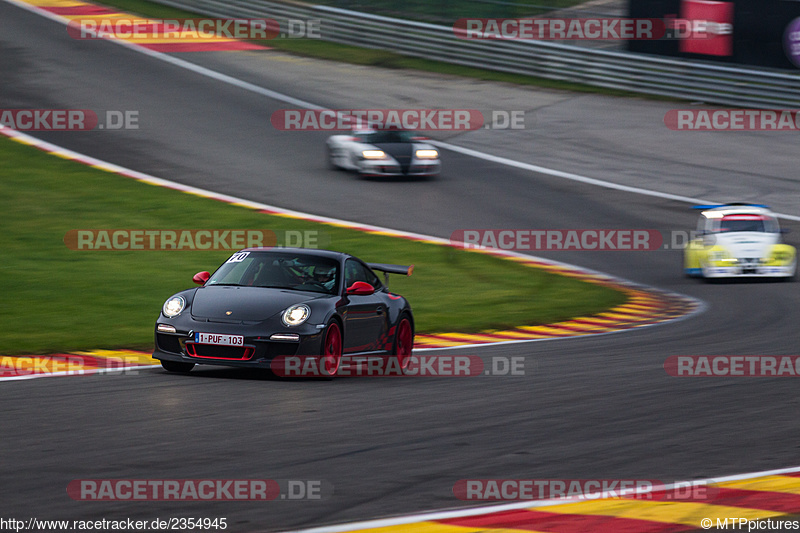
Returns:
(177, 366)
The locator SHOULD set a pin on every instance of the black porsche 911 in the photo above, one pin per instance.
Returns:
(264, 303)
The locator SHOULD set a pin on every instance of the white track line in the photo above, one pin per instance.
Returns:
(83, 372)
(473, 511)
(203, 71)
(583, 179)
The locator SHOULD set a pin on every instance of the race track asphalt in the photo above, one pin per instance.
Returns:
(598, 407)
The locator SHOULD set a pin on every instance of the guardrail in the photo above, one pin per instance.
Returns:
(693, 80)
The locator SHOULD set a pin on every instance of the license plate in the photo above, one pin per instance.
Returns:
(219, 340)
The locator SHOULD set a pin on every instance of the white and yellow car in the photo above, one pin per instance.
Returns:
(738, 240)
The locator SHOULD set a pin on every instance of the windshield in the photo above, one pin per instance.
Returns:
(388, 136)
(279, 270)
(757, 223)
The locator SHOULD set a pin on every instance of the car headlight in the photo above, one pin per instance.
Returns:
(373, 154)
(781, 256)
(296, 315)
(173, 306)
(427, 154)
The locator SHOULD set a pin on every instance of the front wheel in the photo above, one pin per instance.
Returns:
(331, 350)
(176, 366)
(403, 343)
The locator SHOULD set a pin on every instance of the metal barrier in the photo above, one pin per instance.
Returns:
(640, 73)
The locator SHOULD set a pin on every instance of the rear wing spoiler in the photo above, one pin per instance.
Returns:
(391, 269)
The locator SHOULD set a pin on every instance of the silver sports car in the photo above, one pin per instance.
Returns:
(384, 153)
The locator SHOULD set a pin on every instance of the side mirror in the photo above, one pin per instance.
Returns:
(361, 288)
(201, 277)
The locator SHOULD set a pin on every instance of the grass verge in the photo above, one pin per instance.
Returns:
(58, 299)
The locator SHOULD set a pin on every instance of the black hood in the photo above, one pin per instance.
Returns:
(245, 303)
(402, 152)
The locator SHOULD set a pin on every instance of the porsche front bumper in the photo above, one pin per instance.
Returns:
(748, 270)
(392, 168)
(258, 350)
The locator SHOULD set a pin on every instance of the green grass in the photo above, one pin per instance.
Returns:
(58, 299)
(319, 49)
